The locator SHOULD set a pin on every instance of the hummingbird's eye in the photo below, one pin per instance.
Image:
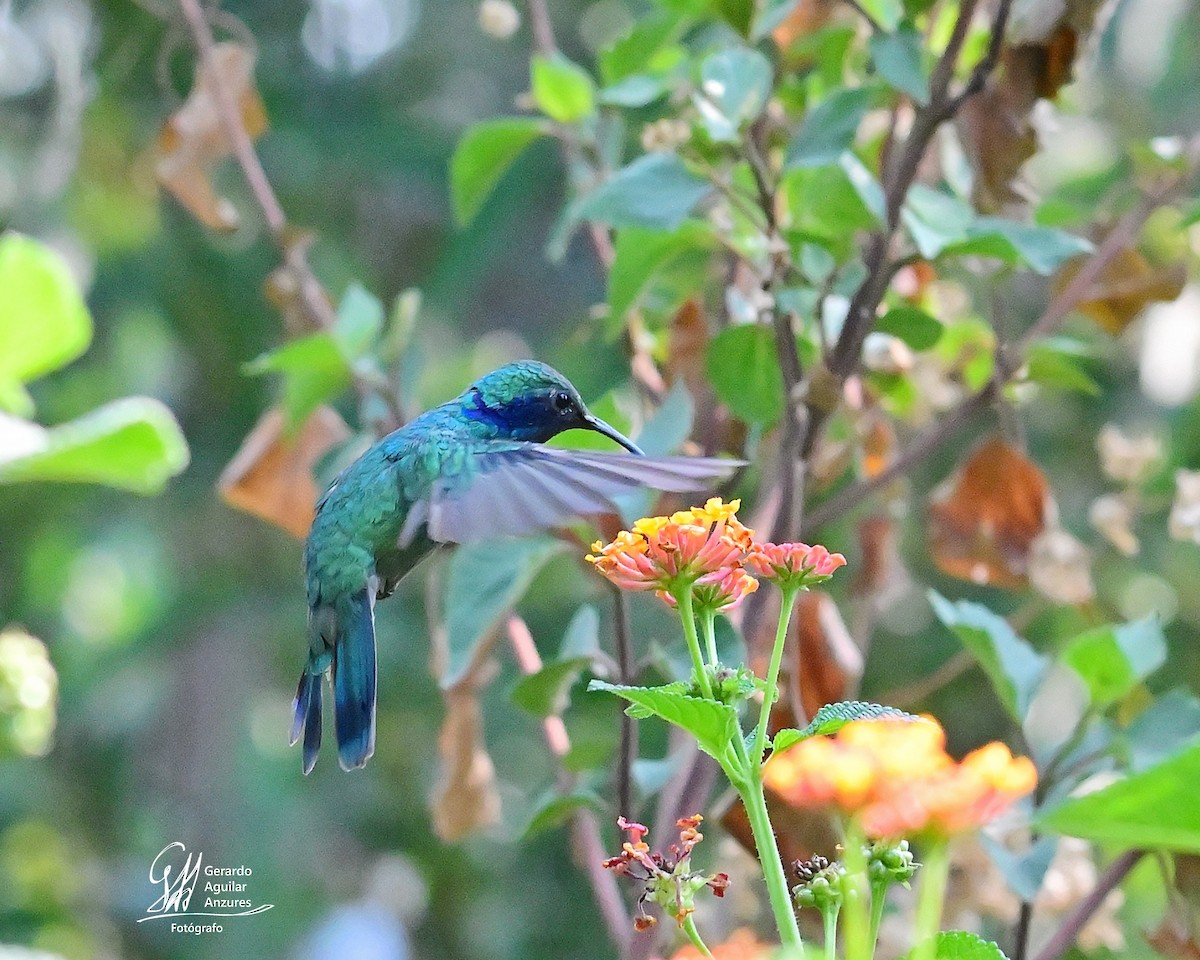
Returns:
(563, 402)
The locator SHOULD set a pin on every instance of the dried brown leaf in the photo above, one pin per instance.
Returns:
(194, 140)
(983, 522)
(687, 348)
(271, 476)
(1125, 287)
(466, 798)
(807, 17)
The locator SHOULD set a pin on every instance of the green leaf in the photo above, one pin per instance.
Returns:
(865, 185)
(640, 254)
(960, 945)
(1172, 720)
(1042, 249)
(482, 157)
(563, 90)
(829, 128)
(1112, 660)
(743, 367)
(1013, 666)
(935, 220)
(359, 321)
(131, 444)
(1023, 872)
(886, 13)
(833, 716)
(655, 191)
(1051, 366)
(639, 50)
(315, 369)
(915, 327)
(582, 636)
(44, 323)
(714, 725)
(734, 87)
(555, 809)
(483, 583)
(1153, 809)
(897, 57)
(547, 692)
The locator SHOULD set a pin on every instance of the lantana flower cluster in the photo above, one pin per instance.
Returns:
(894, 778)
(708, 551)
(668, 880)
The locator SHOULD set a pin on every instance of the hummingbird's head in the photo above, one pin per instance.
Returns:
(528, 400)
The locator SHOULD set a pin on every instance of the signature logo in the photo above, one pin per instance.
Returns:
(191, 888)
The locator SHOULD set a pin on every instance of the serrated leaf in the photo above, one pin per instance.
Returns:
(960, 945)
(898, 59)
(1113, 659)
(714, 725)
(482, 157)
(562, 89)
(44, 323)
(656, 191)
(828, 129)
(1153, 809)
(1013, 666)
(830, 718)
(547, 692)
(915, 327)
(554, 809)
(734, 87)
(743, 366)
(483, 583)
(131, 444)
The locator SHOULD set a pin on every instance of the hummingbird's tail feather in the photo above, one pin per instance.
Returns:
(307, 716)
(354, 680)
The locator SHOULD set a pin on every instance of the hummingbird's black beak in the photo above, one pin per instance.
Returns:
(595, 423)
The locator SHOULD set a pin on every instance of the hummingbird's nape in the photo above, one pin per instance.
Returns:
(599, 426)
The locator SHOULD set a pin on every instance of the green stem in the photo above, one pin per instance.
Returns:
(689, 927)
(856, 930)
(879, 891)
(686, 614)
(934, 875)
(785, 618)
(708, 618)
(768, 855)
(830, 916)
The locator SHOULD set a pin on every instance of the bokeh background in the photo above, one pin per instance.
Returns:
(176, 625)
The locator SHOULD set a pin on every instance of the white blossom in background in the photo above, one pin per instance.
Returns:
(883, 353)
(665, 135)
(1059, 567)
(1127, 458)
(1112, 516)
(499, 18)
(1071, 877)
(1184, 523)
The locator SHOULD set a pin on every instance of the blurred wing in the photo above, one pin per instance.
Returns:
(523, 488)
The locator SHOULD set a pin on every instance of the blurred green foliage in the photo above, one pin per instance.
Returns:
(175, 625)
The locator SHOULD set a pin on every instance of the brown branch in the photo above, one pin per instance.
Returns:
(543, 29)
(585, 828)
(1077, 919)
(313, 298)
(913, 453)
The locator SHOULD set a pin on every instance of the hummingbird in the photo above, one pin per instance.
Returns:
(473, 468)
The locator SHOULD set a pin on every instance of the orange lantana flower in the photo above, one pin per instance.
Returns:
(699, 546)
(895, 778)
